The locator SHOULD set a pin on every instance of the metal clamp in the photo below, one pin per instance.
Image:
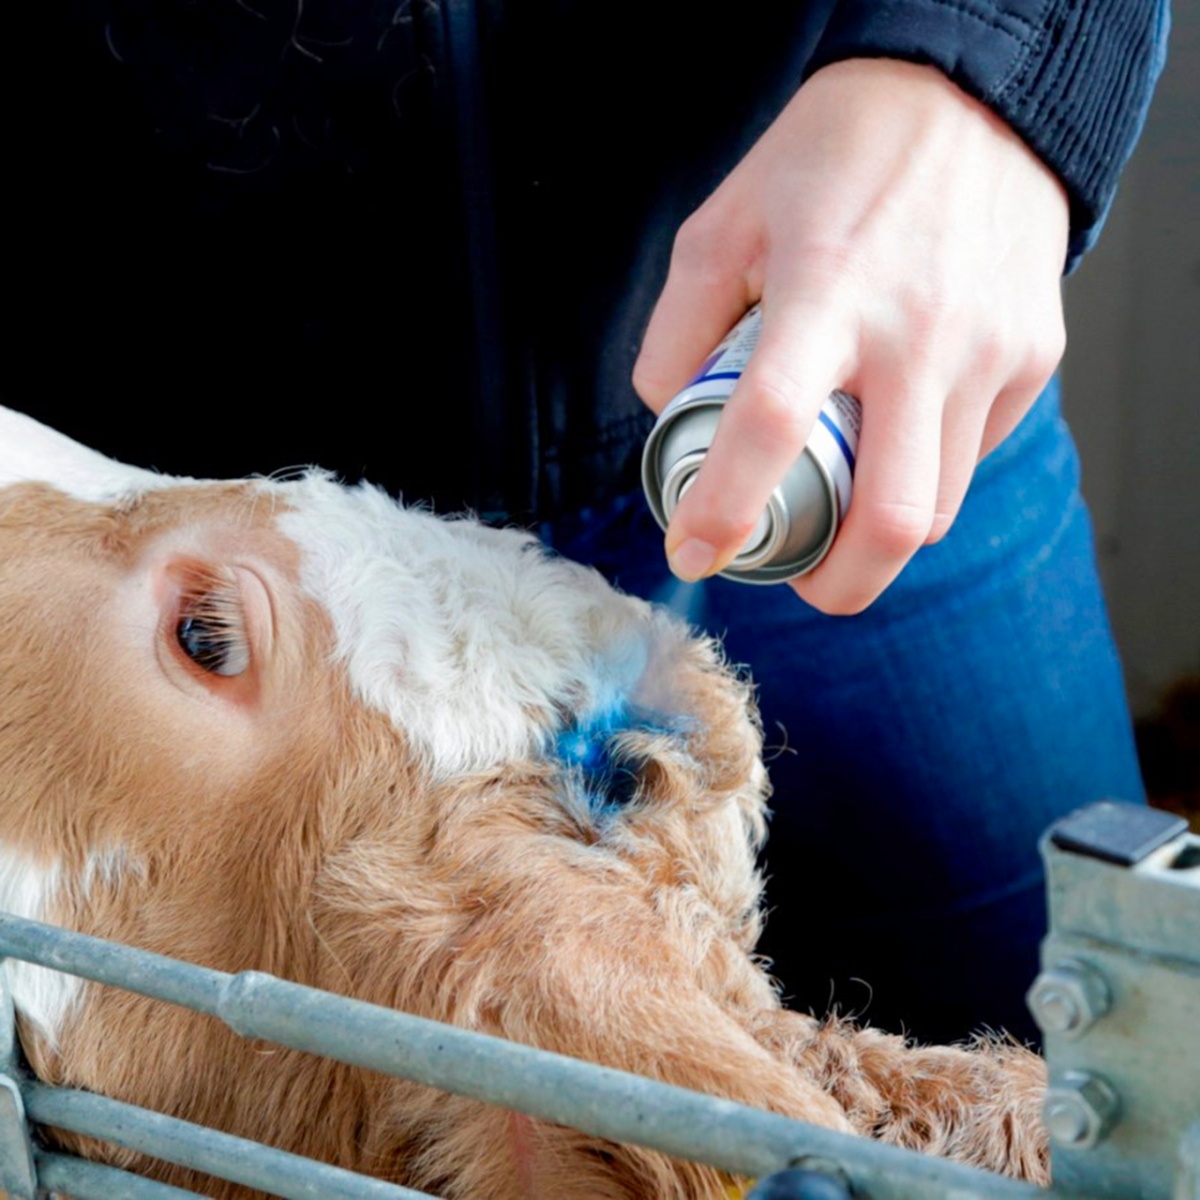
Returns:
(1118, 1000)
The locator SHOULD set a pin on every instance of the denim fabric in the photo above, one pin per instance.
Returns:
(918, 750)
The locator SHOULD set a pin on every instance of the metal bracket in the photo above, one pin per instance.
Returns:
(1118, 1000)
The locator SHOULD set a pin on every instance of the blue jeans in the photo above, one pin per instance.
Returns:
(918, 750)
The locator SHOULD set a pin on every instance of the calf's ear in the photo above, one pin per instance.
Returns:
(30, 452)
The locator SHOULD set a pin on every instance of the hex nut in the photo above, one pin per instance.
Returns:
(1068, 997)
(1080, 1109)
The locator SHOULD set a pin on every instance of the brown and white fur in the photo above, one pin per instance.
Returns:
(373, 799)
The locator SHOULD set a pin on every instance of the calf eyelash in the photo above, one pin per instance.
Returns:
(211, 627)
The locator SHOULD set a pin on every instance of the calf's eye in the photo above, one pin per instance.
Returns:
(211, 631)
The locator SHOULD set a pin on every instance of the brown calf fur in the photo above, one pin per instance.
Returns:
(276, 821)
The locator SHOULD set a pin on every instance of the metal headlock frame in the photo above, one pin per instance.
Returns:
(600, 1101)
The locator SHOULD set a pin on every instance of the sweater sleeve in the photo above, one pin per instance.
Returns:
(1073, 77)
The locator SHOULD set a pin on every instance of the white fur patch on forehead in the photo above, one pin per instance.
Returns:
(474, 641)
(32, 453)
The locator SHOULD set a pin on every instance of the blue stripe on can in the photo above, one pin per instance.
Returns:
(847, 453)
(719, 375)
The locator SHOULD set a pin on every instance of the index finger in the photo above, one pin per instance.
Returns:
(706, 293)
(804, 353)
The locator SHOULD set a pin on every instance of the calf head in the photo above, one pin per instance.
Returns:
(296, 727)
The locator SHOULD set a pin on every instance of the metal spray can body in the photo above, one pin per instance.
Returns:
(804, 512)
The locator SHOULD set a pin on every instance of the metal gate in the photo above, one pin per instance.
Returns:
(1118, 999)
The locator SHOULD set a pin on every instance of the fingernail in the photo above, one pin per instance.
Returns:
(692, 559)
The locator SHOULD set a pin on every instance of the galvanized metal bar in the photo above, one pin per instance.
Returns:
(18, 1179)
(598, 1100)
(1187, 1178)
(122, 966)
(290, 1176)
(83, 1180)
(9, 1056)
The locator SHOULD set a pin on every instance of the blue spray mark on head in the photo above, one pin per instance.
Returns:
(589, 748)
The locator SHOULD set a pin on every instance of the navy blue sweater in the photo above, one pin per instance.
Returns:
(419, 239)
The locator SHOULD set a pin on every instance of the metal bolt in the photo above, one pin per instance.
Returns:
(1080, 1109)
(802, 1183)
(1068, 997)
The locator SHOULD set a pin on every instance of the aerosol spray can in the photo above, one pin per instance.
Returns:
(804, 512)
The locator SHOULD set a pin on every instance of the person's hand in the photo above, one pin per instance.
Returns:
(907, 247)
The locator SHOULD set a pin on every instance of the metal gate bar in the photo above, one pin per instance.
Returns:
(18, 1174)
(84, 1180)
(290, 1176)
(1125, 902)
(598, 1100)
